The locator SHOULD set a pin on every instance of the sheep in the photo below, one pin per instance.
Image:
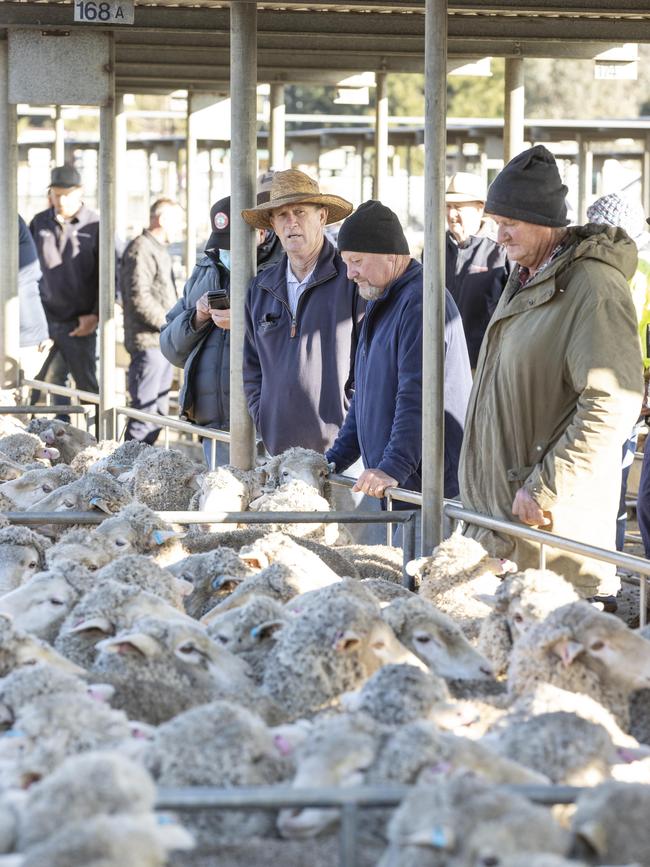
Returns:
(282, 548)
(457, 572)
(41, 604)
(277, 581)
(87, 805)
(583, 650)
(91, 455)
(67, 439)
(336, 643)
(26, 448)
(163, 479)
(120, 459)
(397, 694)
(17, 648)
(297, 496)
(375, 561)
(10, 470)
(22, 553)
(435, 639)
(102, 612)
(248, 631)
(206, 572)
(136, 529)
(297, 464)
(140, 571)
(610, 824)
(35, 485)
(386, 591)
(96, 491)
(82, 545)
(520, 600)
(31, 683)
(465, 821)
(160, 668)
(219, 744)
(227, 489)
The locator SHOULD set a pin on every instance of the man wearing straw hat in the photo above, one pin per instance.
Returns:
(302, 320)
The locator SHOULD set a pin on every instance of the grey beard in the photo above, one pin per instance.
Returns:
(370, 292)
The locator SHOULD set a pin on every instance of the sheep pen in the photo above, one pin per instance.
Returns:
(278, 662)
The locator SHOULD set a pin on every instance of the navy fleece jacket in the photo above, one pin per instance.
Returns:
(384, 422)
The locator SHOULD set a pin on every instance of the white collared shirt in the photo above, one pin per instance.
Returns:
(295, 287)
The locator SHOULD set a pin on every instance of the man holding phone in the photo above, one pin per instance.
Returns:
(196, 336)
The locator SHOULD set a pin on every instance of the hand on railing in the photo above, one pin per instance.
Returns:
(374, 483)
(528, 510)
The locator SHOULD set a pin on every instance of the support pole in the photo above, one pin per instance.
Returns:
(190, 181)
(277, 128)
(121, 174)
(433, 357)
(585, 175)
(9, 312)
(243, 167)
(513, 119)
(59, 137)
(106, 190)
(381, 136)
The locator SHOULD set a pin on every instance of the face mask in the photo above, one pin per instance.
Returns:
(224, 256)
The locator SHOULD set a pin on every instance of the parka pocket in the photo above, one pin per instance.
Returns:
(518, 474)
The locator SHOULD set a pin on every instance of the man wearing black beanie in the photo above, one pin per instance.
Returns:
(558, 382)
(384, 421)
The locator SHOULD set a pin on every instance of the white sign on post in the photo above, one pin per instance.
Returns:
(104, 11)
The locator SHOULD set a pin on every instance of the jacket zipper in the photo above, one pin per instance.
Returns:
(294, 316)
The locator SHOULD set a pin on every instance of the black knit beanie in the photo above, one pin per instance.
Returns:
(529, 188)
(372, 228)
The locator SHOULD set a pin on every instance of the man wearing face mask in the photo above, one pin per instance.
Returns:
(197, 336)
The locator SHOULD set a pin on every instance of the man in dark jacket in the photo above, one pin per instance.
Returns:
(198, 339)
(148, 292)
(67, 241)
(302, 317)
(477, 267)
(384, 422)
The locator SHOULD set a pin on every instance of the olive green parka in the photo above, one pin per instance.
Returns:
(558, 388)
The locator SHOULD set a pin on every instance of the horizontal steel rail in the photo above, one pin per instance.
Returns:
(39, 409)
(63, 390)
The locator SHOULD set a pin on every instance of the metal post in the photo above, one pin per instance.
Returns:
(190, 186)
(59, 137)
(9, 312)
(243, 165)
(433, 357)
(645, 176)
(277, 128)
(585, 175)
(542, 556)
(409, 530)
(348, 835)
(643, 600)
(381, 136)
(106, 198)
(513, 119)
(121, 187)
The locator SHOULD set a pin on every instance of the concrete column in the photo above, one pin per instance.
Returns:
(106, 197)
(513, 119)
(645, 177)
(59, 137)
(243, 169)
(9, 313)
(277, 154)
(381, 136)
(190, 181)
(121, 174)
(585, 176)
(433, 357)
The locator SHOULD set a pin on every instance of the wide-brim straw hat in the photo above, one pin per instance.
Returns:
(291, 187)
(465, 187)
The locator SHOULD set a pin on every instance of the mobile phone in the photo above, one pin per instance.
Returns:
(218, 300)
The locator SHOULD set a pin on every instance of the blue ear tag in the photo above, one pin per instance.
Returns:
(216, 582)
(12, 733)
(165, 819)
(255, 631)
(158, 537)
(438, 837)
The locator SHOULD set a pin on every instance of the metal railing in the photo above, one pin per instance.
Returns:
(348, 800)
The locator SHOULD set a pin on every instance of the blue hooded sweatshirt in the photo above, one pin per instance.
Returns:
(384, 421)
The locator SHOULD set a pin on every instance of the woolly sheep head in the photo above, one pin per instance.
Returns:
(22, 554)
(137, 529)
(41, 605)
(296, 464)
(66, 438)
(26, 447)
(35, 485)
(456, 556)
(17, 648)
(97, 491)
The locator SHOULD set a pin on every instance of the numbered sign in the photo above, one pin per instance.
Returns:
(103, 11)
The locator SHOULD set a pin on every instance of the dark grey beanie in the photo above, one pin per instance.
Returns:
(372, 228)
(530, 188)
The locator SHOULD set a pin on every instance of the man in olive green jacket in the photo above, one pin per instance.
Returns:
(559, 378)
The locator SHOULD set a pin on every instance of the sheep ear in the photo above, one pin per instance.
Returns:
(347, 642)
(227, 583)
(413, 566)
(437, 837)
(101, 504)
(256, 560)
(172, 835)
(593, 833)
(184, 587)
(488, 599)
(568, 650)
(141, 730)
(101, 692)
(100, 624)
(145, 644)
(162, 536)
(266, 630)
(50, 454)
